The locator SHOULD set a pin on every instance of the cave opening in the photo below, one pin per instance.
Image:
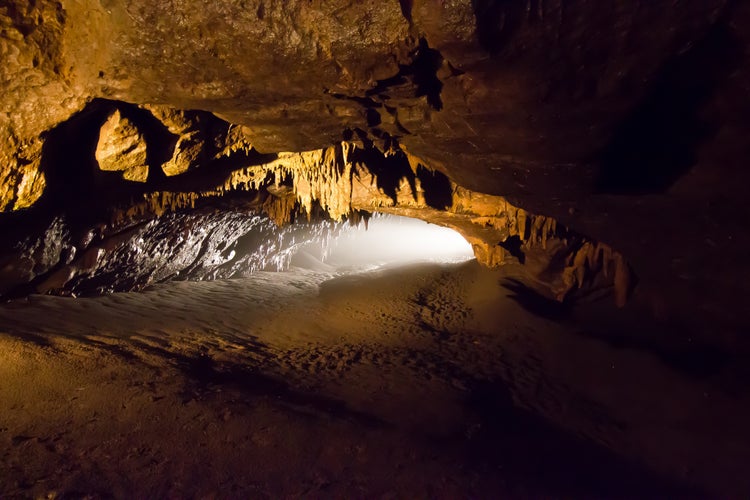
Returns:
(384, 240)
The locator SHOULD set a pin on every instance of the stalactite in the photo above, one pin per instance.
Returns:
(322, 176)
(330, 182)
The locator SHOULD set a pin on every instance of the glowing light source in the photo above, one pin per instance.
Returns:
(391, 239)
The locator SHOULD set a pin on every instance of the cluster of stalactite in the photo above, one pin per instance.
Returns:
(333, 182)
(187, 160)
(321, 177)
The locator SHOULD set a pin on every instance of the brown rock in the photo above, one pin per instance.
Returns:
(121, 147)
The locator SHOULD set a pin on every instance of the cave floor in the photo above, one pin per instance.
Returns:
(411, 382)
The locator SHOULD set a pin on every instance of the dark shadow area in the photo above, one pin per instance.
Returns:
(205, 372)
(530, 450)
(674, 344)
(406, 8)
(629, 330)
(388, 170)
(697, 359)
(70, 167)
(658, 142)
(424, 72)
(421, 72)
(69, 164)
(536, 303)
(372, 117)
(436, 186)
(76, 189)
(513, 245)
(498, 21)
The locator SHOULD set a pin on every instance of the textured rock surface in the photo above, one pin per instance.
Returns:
(488, 86)
(122, 147)
(129, 238)
(626, 121)
(199, 245)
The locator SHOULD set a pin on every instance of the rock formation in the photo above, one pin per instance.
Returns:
(547, 131)
(122, 147)
(182, 228)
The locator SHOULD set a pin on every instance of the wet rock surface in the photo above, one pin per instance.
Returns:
(218, 242)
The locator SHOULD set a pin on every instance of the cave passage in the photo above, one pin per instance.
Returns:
(383, 241)
(341, 249)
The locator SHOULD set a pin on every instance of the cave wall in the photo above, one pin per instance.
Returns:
(142, 195)
(623, 121)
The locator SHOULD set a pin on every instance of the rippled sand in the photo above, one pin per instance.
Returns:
(418, 381)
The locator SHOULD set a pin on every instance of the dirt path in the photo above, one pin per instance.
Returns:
(426, 381)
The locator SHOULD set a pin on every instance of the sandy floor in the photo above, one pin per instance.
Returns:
(412, 382)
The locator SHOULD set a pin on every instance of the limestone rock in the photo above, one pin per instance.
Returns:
(31, 187)
(121, 147)
(189, 148)
(187, 154)
(201, 138)
(22, 182)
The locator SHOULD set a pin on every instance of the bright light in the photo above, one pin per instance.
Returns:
(391, 239)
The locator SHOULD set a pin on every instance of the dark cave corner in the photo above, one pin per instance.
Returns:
(421, 72)
(438, 192)
(513, 245)
(74, 180)
(657, 144)
(497, 22)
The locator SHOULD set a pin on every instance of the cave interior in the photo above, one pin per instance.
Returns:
(413, 249)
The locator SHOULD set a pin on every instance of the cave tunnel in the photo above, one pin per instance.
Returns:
(414, 249)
